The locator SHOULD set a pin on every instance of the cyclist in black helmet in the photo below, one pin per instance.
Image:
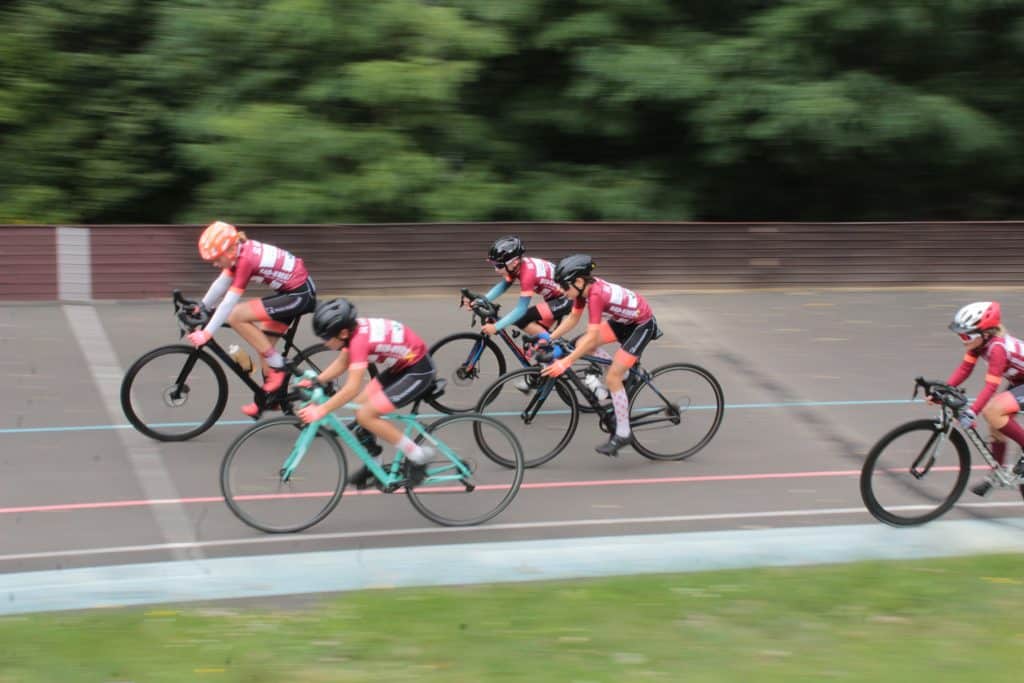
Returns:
(615, 314)
(535, 276)
(406, 373)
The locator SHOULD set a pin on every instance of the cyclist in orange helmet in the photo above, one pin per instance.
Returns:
(240, 260)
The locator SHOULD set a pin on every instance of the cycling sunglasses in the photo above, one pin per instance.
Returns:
(968, 337)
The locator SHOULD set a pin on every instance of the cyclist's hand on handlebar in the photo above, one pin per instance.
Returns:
(312, 413)
(199, 338)
(489, 329)
(967, 418)
(556, 368)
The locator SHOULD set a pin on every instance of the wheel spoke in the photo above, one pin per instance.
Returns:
(463, 486)
(677, 413)
(253, 477)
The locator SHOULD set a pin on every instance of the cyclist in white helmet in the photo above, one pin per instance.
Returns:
(979, 326)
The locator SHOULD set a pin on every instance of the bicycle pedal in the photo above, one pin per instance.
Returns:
(982, 489)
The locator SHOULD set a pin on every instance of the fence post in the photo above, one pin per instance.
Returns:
(74, 264)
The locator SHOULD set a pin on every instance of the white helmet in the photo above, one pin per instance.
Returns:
(981, 315)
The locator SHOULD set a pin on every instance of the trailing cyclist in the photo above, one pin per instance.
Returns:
(240, 260)
(406, 373)
(979, 326)
(615, 314)
(535, 276)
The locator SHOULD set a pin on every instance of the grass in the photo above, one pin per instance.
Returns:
(937, 620)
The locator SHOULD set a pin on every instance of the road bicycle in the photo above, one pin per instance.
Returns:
(919, 470)
(177, 392)
(470, 360)
(674, 410)
(282, 476)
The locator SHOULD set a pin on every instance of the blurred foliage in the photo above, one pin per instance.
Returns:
(418, 110)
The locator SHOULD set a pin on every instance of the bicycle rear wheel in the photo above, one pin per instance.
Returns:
(543, 423)
(469, 362)
(174, 393)
(464, 487)
(677, 413)
(251, 481)
(915, 473)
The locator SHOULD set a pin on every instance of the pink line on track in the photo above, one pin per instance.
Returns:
(113, 504)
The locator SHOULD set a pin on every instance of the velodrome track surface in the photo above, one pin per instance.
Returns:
(811, 379)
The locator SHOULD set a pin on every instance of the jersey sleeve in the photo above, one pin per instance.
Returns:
(964, 370)
(359, 351)
(595, 306)
(527, 280)
(243, 273)
(997, 362)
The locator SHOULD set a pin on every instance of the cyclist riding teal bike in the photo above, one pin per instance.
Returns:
(406, 373)
(629, 322)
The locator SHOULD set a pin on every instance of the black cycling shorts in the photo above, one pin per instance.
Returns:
(285, 307)
(635, 337)
(407, 385)
(558, 309)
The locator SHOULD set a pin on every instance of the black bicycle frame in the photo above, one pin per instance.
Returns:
(180, 305)
(636, 373)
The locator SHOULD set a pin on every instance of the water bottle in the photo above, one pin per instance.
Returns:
(241, 357)
(593, 383)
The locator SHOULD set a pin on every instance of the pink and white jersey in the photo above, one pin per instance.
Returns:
(617, 303)
(387, 343)
(277, 268)
(1005, 357)
(536, 276)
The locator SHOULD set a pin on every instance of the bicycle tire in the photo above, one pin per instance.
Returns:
(310, 358)
(234, 497)
(152, 428)
(892, 515)
(715, 396)
(425, 496)
(510, 412)
(455, 398)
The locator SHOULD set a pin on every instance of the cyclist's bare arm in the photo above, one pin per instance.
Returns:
(590, 340)
(567, 324)
(335, 369)
(350, 390)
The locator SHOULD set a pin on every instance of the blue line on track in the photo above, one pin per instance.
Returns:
(235, 423)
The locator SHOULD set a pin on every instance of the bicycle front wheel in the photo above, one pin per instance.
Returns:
(677, 413)
(542, 413)
(255, 490)
(469, 362)
(915, 473)
(174, 393)
(464, 487)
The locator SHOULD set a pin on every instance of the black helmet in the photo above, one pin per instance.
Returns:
(505, 249)
(572, 267)
(331, 317)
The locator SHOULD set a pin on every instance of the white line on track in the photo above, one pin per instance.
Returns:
(444, 531)
(145, 458)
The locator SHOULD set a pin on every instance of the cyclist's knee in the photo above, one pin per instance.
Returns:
(366, 413)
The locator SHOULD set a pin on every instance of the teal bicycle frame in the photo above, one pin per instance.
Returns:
(391, 478)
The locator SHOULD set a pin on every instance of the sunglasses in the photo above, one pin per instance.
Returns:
(968, 337)
(499, 264)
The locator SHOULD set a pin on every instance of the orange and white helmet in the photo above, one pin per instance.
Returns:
(218, 239)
